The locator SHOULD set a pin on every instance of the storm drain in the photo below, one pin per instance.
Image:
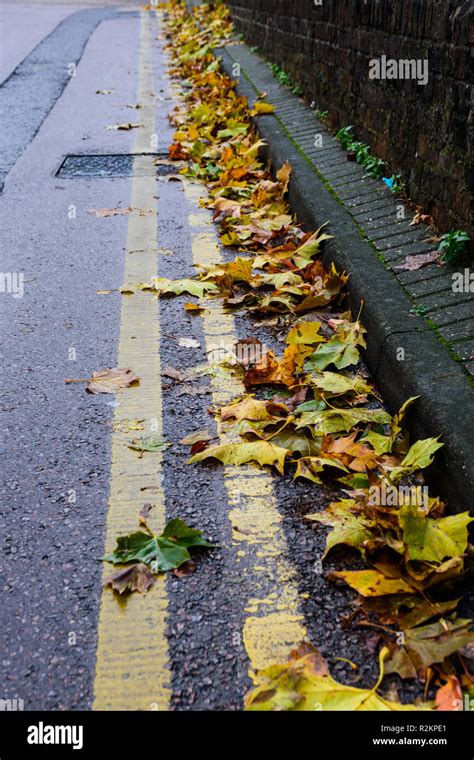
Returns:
(118, 165)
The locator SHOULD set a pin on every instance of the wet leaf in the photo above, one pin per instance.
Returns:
(163, 286)
(433, 540)
(259, 452)
(419, 456)
(155, 444)
(428, 644)
(135, 578)
(260, 108)
(372, 583)
(109, 381)
(348, 525)
(126, 126)
(305, 684)
(196, 437)
(159, 553)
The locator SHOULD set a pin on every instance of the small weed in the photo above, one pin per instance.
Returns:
(453, 246)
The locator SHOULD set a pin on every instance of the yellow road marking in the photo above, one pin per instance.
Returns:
(274, 624)
(132, 653)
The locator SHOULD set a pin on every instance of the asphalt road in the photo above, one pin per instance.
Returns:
(66, 644)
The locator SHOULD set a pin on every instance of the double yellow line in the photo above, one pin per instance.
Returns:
(132, 653)
(132, 665)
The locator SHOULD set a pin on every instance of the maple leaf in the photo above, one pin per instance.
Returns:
(157, 443)
(135, 578)
(164, 286)
(310, 467)
(433, 540)
(250, 408)
(335, 383)
(449, 697)
(159, 553)
(259, 452)
(305, 333)
(109, 381)
(348, 525)
(305, 684)
(372, 582)
(337, 420)
(428, 644)
(419, 456)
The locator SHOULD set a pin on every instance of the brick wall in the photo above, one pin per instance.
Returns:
(425, 132)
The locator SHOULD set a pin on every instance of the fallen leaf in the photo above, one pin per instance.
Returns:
(135, 578)
(260, 108)
(103, 212)
(412, 263)
(259, 452)
(433, 540)
(164, 286)
(193, 308)
(419, 456)
(427, 645)
(199, 435)
(157, 443)
(109, 381)
(449, 697)
(126, 126)
(159, 553)
(185, 570)
(371, 582)
(305, 684)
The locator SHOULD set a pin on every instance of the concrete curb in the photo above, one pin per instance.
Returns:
(446, 404)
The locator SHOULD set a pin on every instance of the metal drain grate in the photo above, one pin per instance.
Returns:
(118, 165)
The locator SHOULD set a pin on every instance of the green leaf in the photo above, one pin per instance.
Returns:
(159, 553)
(336, 352)
(381, 444)
(337, 420)
(419, 456)
(348, 527)
(433, 540)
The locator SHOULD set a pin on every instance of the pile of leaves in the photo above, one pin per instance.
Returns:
(321, 418)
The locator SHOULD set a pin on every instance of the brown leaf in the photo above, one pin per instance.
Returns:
(449, 696)
(412, 263)
(102, 212)
(187, 568)
(111, 381)
(126, 126)
(193, 390)
(198, 435)
(135, 578)
(180, 375)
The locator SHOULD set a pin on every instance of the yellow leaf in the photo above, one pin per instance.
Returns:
(260, 452)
